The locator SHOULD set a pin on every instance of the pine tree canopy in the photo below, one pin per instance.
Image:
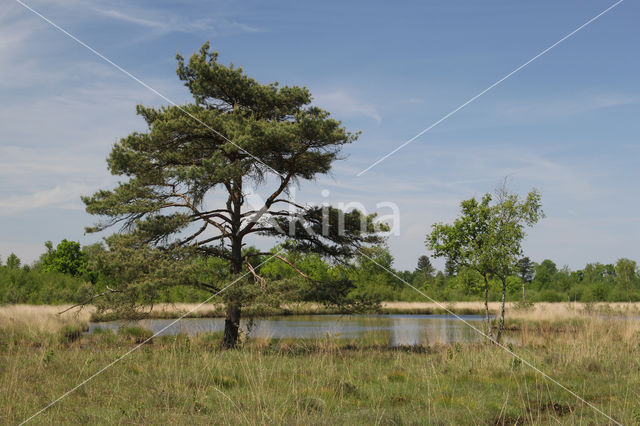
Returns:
(238, 135)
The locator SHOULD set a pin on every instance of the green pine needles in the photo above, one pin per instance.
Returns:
(238, 135)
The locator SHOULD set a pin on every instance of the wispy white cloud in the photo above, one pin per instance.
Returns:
(577, 239)
(169, 22)
(156, 20)
(111, 13)
(345, 103)
(532, 168)
(66, 195)
(31, 58)
(22, 163)
(559, 107)
(12, 31)
(466, 167)
(59, 115)
(450, 173)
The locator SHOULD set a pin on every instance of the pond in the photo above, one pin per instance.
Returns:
(397, 330)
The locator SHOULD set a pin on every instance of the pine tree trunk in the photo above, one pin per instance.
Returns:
(504, 298)
(231, 326)
(232, 319)
(524, 296)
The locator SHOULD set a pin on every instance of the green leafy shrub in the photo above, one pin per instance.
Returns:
(136, 334)
(70, 333)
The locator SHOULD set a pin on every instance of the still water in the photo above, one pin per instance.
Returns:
(398, 330)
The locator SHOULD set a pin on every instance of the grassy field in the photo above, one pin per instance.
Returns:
(186, 380)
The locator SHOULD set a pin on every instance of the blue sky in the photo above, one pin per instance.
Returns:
(566, 124)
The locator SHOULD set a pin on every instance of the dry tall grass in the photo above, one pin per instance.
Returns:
(46, 318)
(41, 318)
(535, 312)
(188, 379)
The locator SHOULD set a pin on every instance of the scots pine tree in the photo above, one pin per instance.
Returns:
(186, 179)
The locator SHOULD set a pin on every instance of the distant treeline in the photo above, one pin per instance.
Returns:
(68, 274)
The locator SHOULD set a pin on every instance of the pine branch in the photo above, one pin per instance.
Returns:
(95, 296)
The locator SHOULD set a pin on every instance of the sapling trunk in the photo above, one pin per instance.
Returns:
(486, 307)
(504, 298)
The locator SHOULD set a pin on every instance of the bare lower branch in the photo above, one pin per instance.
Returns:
(277, 256)
(256, 277)
(200, 231)
(197, 212)
(208, 240)
(95, 296)
(282, 200)
(267, 204)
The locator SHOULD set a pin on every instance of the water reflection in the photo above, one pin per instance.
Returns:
(398, 330)
(432, 329)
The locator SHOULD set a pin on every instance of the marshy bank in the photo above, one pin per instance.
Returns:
(33, 314)
(188, 379)
(47, 317)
